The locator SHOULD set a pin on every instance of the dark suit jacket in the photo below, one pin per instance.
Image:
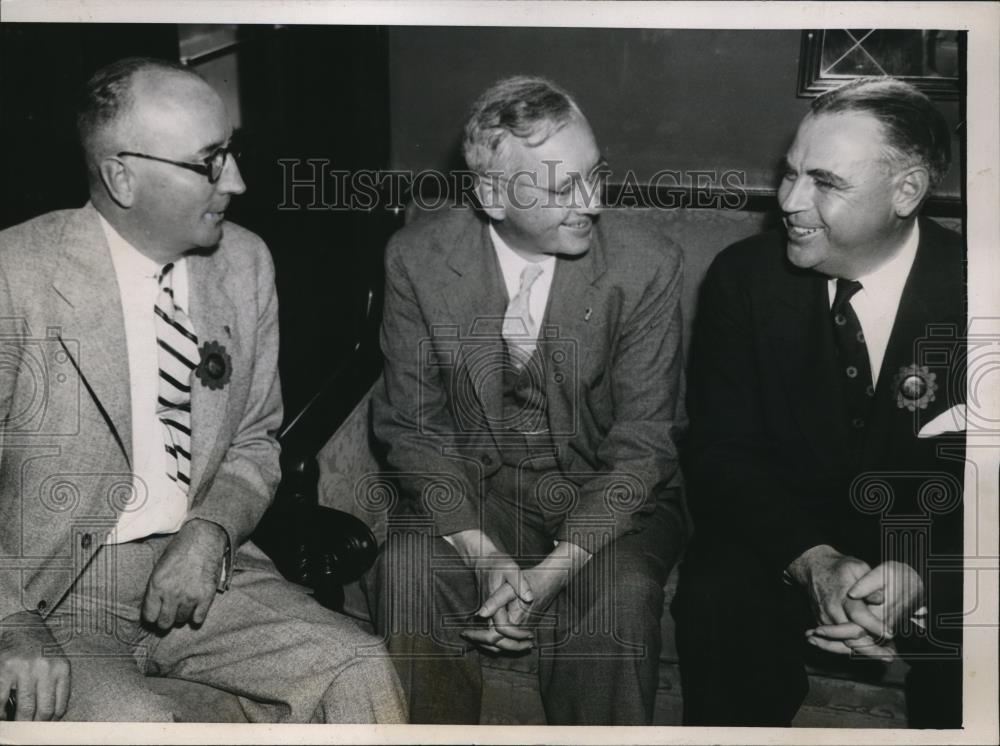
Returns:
(770, 462)
(611, 346)
(65, 413)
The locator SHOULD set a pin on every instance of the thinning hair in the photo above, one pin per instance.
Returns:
(526, 107)
(107, 96)
(915, 131)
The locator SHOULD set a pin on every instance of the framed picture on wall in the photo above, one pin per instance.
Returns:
(930, 59)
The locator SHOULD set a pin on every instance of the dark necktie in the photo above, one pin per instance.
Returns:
(177, 353)
(855, 370)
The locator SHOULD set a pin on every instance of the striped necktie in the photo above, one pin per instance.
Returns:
(177, 351)
(519, 329)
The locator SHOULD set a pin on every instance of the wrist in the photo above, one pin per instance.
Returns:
(26, 630)
(802, 567)
(208, 531)
(472, 545)
(566, 554)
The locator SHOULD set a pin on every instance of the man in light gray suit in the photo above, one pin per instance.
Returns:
(532, 392)
(139, 400)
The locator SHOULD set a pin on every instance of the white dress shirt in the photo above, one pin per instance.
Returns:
(158, 504)
(511, 265)
(878, 300)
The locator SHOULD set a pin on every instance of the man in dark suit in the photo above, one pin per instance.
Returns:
(531, 393)
(139, 401)
(826, 406)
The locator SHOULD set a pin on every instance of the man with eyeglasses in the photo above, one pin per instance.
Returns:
(529, 403)
(139, 401)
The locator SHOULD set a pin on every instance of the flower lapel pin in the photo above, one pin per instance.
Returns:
(216, 366)
(914, 386)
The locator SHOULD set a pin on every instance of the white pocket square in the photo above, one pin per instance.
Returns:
(952, 421)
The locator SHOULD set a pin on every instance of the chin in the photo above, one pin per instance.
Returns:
(574, 248)
(803, 258)
(211, 237)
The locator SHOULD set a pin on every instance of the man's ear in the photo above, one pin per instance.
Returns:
(912, 185)
(119, 181)
(490, 191)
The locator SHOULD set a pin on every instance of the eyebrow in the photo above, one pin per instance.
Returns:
(817, 173)
(830, 176)
(213, 146)
(566, 180)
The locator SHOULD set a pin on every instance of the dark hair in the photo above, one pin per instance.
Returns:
(527, 107)
(913, 127)
(107, 94)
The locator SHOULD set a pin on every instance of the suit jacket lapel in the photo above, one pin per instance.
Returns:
(92, 330)
(572, 326)
(930, 295)
(797, 323)
(476, 277)
(213, 314)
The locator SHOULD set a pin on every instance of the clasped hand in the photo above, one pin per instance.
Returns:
(860, 608)
(517, 599)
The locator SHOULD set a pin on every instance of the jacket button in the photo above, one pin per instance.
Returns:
(486, 460)
(42, 605)
(85, 541)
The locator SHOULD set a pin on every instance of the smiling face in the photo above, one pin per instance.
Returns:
(843, 204)
(539, 208)
(175, 210)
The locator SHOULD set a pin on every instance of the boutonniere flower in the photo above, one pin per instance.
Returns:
(915, 386)
(216, 367)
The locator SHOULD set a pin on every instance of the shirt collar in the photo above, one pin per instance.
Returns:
(512, 264)
(133, 268)
(130, 263)
(888, 280)
(885, 284)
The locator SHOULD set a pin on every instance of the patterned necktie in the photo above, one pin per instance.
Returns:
(519, 329)
(177, 351)
(852, 356)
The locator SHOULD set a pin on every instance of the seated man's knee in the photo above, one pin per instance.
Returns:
(139, 705)
(625, 584)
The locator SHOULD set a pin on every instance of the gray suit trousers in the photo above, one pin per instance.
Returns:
(598, 646)
(287, 658)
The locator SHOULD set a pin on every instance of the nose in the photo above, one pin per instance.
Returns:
(793, 195)
(231, 180)
(588, 198)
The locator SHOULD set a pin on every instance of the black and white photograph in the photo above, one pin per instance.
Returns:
(371, 369)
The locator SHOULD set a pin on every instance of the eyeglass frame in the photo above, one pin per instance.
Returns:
(204, 168)
(602, 171)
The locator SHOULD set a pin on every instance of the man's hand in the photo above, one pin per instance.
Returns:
(30, 664)
(851, 639)
(182, 585)
(893, 587)
(500, 581)
(546, 581)
(876, 606)
(827, 575)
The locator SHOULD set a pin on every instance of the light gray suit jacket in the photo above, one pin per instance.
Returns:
(65, 425)
(611, 350)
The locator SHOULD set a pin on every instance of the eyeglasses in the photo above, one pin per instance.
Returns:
(592, 185)
(211, 167)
